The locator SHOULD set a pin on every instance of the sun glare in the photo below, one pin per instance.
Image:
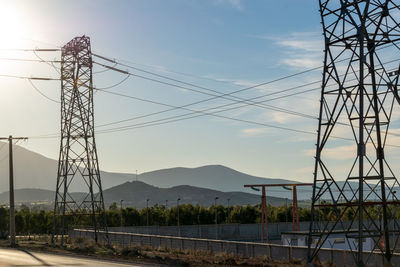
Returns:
(13, 29)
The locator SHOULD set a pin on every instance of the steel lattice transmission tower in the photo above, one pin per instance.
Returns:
(354, 193)
(78, 160)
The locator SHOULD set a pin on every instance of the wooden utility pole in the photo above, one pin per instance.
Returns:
(264, 216)
(11, 175)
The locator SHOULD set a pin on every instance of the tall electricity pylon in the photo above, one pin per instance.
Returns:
(354, 187)
(78, 160)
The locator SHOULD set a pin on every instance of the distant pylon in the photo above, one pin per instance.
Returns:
(78, 160)
(354, 187)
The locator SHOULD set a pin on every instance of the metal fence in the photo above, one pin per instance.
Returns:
(239, 249)
(235, 232)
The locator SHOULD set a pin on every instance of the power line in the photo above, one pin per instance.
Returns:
(208, 89)
(50, 64)
(114, 85)
(29, 78)
(118, 61)
(202, 87)
(221, 106)
(259, 104)
(202, 112)
(32, 49)
(163, 69)
(198, 91)
(41, 93)
(29, 60)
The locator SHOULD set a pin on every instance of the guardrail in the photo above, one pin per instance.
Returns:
(239, 249)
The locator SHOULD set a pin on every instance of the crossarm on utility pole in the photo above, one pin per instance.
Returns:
(264, 215)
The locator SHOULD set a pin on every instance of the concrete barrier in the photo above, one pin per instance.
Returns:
(236, 232)
(236, 248)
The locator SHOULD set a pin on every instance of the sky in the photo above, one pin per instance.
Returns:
(222, 45)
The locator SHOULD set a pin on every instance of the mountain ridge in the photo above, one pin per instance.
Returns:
(33, 170)
(136, 193)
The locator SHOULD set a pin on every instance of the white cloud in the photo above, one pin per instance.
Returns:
(249, 132)
(235, 82)
(302, 41)
(237, 4)
(301, 49)
(301, 61)
(281, 118)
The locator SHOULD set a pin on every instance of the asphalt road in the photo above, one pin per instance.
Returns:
(16, 257)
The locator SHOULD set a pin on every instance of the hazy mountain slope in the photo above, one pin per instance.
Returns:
(216, 177)
(135, 194)
(33, 170)
(27, 195)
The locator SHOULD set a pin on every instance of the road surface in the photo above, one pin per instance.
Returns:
(20, 257)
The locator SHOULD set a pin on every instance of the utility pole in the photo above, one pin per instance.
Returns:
(11, 184)
(216, 217)
(166, 212)
(147, 213)
(179, 226)
(264, 215)
(229, 211)
(286, 211)
(121, 211)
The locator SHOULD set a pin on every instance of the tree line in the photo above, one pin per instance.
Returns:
(32, 221)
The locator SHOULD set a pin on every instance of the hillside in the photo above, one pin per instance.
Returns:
(217, 177)
(33, 170)
(135, 194)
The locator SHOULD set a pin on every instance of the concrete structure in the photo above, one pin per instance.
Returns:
(242, 249)
(233, 232)
(334, 241)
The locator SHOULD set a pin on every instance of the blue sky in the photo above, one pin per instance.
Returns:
(223, 45)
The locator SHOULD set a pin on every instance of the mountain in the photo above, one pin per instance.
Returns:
(34, 196)
(136, 193)
(218, 177)
(33, 170)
